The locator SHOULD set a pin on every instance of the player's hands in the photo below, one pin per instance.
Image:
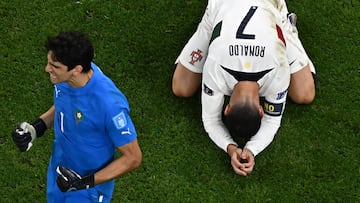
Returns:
(23, 136)
(247, 161)
(242, 161)
(69, 180)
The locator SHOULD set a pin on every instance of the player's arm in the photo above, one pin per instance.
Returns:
(199, 41)
(69, 180)
(270, 124)
(243, 161)
(25, 133)
(123, 133)
(131, 157)
(48, 116)
(212, 107)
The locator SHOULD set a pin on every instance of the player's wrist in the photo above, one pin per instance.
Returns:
(88, 181)
(231, 148)
(39, 126)
(69, 180)
(249, 150)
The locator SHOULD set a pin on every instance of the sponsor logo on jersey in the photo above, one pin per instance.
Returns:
(273, 109)
(195, 56)
(57, 91)
(208, 91)
(79, 116)
(119, 120)
(126, 132)
(292, 62)
(281, 95)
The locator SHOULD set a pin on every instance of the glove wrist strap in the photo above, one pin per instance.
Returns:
(89, 181)
(40, 127)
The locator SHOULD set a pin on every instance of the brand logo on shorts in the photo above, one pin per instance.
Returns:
(195, 56)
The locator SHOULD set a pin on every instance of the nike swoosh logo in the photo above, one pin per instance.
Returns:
(292, 62)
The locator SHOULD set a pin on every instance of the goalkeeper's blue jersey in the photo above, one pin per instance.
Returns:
(90, 123)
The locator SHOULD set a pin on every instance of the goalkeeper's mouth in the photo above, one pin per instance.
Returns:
(53, 78)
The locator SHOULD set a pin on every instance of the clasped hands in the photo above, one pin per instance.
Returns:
(242, 160)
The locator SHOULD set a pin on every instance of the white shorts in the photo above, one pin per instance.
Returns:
(295, 51)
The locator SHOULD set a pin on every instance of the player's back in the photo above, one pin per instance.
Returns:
(247, 43)
(245, 34)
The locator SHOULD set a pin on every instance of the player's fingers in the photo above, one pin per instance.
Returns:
(235, 162)
(20, 135)
(24, 139)
(62, 183)
(248, 170)
(23, 147)
(239, 171)
(248, 167)
(249, 163)
(237, 166)
(68, 174)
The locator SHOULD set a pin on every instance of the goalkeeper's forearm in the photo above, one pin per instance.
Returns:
(48, 117)
(44, 121)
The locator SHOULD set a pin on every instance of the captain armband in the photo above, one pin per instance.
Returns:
(273, 109)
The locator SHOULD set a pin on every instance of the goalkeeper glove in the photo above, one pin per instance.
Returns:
(68, 180)
(25, 134)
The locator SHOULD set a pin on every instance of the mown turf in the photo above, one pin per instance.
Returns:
(314, 157)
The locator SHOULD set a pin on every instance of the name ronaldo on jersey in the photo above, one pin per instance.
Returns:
(246, 50)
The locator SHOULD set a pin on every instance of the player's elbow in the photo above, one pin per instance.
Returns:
(136, 159)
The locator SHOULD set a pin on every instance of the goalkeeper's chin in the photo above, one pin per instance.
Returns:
(54, 80)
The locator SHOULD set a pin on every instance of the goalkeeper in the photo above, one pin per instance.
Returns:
(91, 121)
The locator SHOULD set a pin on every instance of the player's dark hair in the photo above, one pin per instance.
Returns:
(71, 49)
(243, 120)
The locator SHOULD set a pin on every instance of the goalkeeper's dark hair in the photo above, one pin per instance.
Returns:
(243, 120)
(71, 49)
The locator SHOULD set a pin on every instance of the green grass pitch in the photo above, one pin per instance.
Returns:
(314, 157)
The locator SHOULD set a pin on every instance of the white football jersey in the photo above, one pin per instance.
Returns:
(240, 38)
(195, 51)
(246, 44)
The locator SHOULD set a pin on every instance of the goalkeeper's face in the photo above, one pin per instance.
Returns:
(58, 72)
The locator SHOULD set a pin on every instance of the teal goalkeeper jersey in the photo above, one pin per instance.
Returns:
(90, 123)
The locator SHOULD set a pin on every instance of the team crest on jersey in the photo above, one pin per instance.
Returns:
(196, 56)
(79, 116)
(120, 120)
